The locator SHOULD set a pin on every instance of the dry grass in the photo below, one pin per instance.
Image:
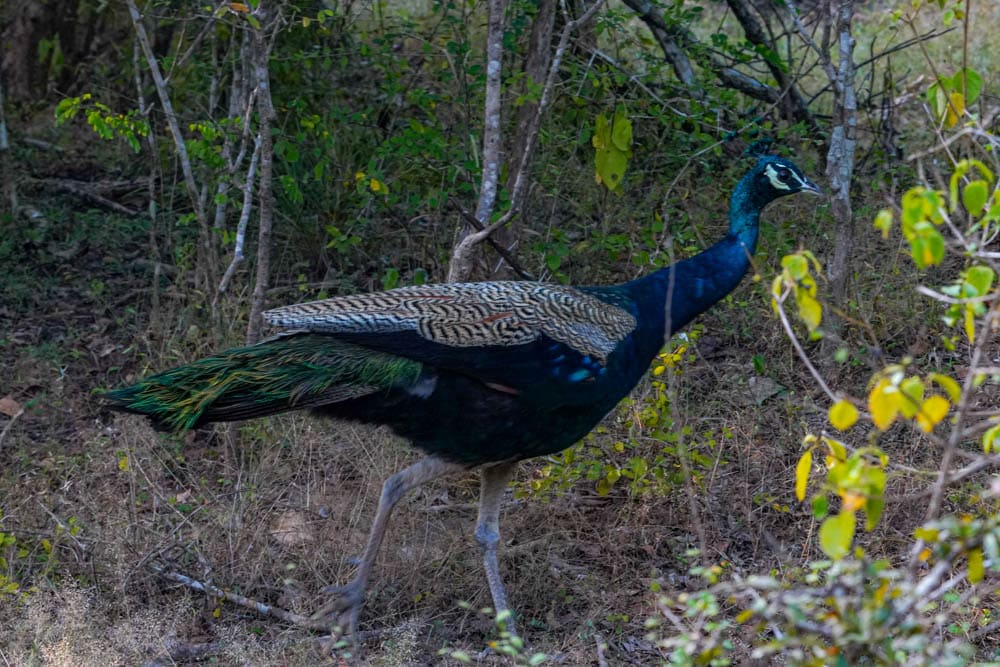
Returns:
(278, 508)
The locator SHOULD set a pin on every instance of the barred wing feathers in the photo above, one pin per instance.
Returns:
(500, 314)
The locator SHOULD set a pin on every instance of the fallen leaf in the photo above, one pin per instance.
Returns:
(10, 407)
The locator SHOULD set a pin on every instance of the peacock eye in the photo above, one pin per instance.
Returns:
(784, 174)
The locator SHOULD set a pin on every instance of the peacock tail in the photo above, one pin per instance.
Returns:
(288, 372)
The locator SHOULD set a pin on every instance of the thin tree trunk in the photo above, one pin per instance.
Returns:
(460, 268)
(265, 191)
(840, 158)
(209, 261)
(536, 66)
(462, 257)
(9, 192)
(152, 180)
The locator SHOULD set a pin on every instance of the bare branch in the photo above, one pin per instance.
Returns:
(163, 93)
(241, 228)
(798, 348)
(461, 261)
(241, 600)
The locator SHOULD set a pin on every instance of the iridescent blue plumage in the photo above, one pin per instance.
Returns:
(473, 374)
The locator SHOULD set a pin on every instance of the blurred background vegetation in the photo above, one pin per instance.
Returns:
(140, 157)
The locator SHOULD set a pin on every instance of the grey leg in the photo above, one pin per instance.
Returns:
(348, 600)
(494, 481)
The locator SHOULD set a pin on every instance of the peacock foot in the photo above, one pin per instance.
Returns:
(342, 611)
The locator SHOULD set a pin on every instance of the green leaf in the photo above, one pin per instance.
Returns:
(802, 470)
(611, 166)
(810, 311)
(949, 385)
(836, 534)
(913, 394)
(602, 134)
(796, 265)
(884, 404)
(873, 511)
(621, 134)
(974, 196)
(976, 568)
(883, 222)
(927, 245)
(973, 84)
(980, 278)
(991, 439)
(820, 507)
(391, 278)
(612, 149)
(932, 411)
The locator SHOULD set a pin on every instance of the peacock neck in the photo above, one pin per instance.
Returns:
(674, 295)
(744, 216)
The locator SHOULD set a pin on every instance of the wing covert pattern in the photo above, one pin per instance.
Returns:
(504, 313)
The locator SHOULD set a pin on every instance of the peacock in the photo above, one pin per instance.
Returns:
(477, 375)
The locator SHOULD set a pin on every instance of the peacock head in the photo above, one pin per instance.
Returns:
(775, 177)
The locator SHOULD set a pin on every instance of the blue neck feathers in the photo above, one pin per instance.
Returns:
(671, 297)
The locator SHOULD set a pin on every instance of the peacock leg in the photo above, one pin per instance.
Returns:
(493, 482)
(348, 600)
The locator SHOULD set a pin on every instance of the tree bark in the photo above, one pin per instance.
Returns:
(462, 257)
(840, 158)
(536, 66)
(265, 192)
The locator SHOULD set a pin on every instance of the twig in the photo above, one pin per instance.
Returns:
(985, 630)
(93, 198)
(798, 347)
(955, 436)
(241, 228)
(964, 132)
(66, 529)
(8, 425)
(179, 143)
(927, 291)
(242, 601)
(498, 247)
(602, 646)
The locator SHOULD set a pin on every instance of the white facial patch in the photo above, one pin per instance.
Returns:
(772, 175)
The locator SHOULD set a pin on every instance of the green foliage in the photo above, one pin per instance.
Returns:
(612, 142)
(797, 280)
(844, 612)
(950, 96)
(857, 478)
(507, 644)
(106, 123)
(31, 557)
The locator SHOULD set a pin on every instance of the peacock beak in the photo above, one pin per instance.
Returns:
(810, 187)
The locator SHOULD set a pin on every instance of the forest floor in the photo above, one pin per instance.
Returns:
(94, 507)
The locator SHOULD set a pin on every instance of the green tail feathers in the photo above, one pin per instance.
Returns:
(284, 373)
